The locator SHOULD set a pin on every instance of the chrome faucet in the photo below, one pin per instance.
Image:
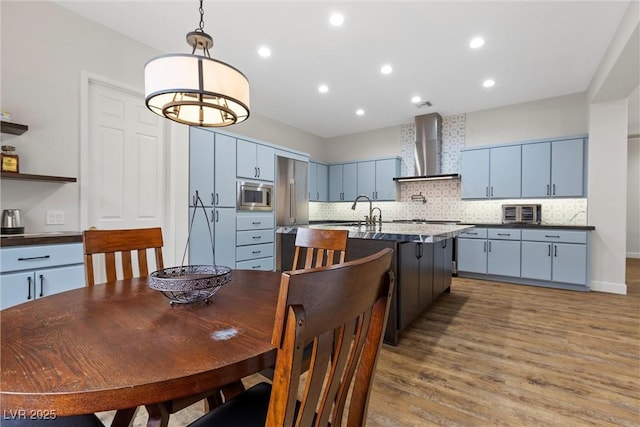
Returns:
(368, 219)
(373, 218)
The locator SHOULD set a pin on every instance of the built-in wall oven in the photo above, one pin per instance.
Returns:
(254, 196)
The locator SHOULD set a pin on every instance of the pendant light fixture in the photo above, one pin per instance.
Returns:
(196, 89)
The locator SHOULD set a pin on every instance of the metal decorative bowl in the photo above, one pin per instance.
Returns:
(190, 283)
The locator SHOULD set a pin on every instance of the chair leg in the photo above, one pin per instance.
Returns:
(158, 415)
(124, 417)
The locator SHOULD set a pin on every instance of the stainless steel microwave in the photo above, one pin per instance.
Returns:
(254, 196)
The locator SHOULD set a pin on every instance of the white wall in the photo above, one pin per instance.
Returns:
(552, 117)
(633, 198)
(377, 143)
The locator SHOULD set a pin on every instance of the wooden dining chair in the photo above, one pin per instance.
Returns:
(110, 243)
(317, 248)
(349, 301)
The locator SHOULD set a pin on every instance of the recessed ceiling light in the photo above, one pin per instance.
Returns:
(323, 88)
(264, 51)
(386, 69)
(416, 99)
(336, 19)
(476, 42)
(360, 112)
(488, 83)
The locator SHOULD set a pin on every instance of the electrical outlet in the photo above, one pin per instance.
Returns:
(55, 217)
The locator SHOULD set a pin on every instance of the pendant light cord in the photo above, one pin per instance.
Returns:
(201, 27)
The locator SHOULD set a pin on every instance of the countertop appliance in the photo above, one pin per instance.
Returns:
(12, 222)
(254, 196)
(292, 183)
(522, 214)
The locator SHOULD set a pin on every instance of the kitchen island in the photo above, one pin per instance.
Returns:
(421, 262)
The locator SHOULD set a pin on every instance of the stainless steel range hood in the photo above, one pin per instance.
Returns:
(428, 150)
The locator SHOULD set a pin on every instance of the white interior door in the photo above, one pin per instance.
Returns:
(123, 162)
(126, 160)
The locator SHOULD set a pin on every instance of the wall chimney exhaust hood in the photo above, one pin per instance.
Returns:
(428, 150)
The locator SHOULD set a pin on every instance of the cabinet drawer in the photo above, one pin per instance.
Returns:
(555, 236)
(474, 233)
(254, 251)
(255, 222)
(34, 257)
(244, 238)
(503, 234)
(256, 264)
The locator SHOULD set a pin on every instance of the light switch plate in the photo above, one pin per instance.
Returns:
(55, 218)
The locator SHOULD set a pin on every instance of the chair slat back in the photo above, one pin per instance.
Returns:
(317, 248)
(341, 310)
(124, 242)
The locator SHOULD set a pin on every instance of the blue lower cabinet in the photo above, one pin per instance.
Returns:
(472, 255)
(503, 257)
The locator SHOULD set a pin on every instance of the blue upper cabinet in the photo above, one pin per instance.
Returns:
(553, 169)
(318, 182)
(550, 168)
(474, 167)
(536, 170)
(255, 161)
(505, 172)
(201, 168)
(225, 174)
(343, 179)
(567, 168)
(375, 178)
(367, 179)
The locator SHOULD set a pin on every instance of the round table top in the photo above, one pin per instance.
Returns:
(122, 345)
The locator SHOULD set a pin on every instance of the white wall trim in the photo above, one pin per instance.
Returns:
(612, 288)
(633, 254)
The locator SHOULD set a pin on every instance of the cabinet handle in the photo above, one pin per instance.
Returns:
(444, 243)
(217, 216)
(255, 267)
(547, 189)
(256, 223)
(31, 258)
(504, 234)
(318, 196)
(555, 250)
(486, 191)
(255, 172)
(255, 252)
(551, 236)
(473, 234)
(42, 285)
(485, 247)
(549, 251)
(217, 199)
(489, 245)
(29, 288)
(492, 191)
(554, 189)
(257, 237)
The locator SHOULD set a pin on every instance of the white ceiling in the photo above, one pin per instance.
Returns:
(533, 50)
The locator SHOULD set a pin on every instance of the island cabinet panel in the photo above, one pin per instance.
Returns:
(442, 257)
(415, 279)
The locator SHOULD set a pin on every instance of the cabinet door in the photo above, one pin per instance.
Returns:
(408, 283)
(367, 179)
(265, 162)
(335, 183)
(349, 181)
(427, 267)
(225, 171)
(472, 255)
(60, 279)
(386, 170)
(16, 288)
(313, 181)
(200, 251)
(474, 167)
(567, 162)
(201, 170)
(536, 260)
(569, 263)
(224, 220)
(536, 170)
(505, 172)
(442, 256)
(322, 183)
(246, 166)
(503, 258)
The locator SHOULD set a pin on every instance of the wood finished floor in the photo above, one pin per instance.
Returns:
(495, 354)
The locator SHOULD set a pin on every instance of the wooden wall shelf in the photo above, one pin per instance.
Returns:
(31, 177)
(13, 128)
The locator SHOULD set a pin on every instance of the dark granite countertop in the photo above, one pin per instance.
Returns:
(536, 226)
(44, 238)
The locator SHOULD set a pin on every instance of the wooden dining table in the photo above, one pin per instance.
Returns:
(123, 345)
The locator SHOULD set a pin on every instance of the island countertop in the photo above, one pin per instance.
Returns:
(425, 233)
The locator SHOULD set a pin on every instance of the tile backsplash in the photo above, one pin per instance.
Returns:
(442, 198)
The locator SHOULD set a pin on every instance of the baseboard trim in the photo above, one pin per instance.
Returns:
(633, 254)
(609, 287)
